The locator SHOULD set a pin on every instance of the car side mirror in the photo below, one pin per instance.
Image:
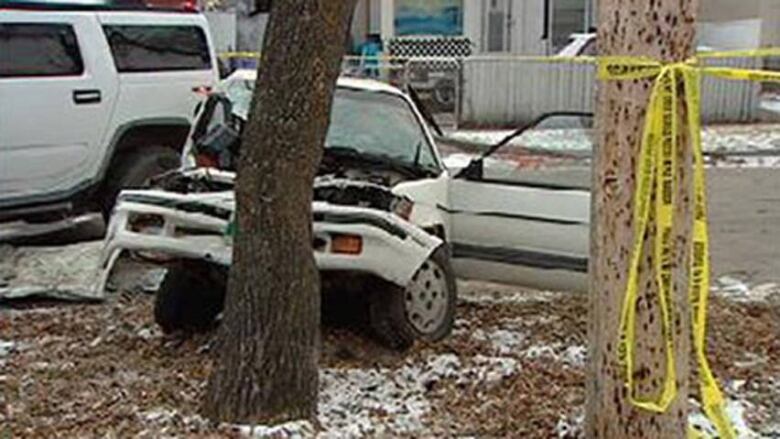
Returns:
(473, 171)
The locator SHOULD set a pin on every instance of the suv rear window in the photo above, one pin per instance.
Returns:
(138, 48)
(39, 49)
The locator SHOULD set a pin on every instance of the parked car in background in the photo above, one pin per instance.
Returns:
(390, 221)
(94, 100)
(584, 44)
(580, 45)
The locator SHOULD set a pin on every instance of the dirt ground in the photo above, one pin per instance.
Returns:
(514, 367)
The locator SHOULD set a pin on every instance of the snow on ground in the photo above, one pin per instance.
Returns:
(756, 145)
(771, 103)
(6, 348)
(513, 367)
(289, 430)
(496, 294)
(392, 401)
(739, 289)
(736, 409)
(571, 425)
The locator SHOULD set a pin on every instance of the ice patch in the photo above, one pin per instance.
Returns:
(65, 272)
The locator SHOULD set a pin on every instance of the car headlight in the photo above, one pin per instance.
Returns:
(403, 207)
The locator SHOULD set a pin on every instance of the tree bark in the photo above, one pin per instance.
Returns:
(269, 341)
(663, 30)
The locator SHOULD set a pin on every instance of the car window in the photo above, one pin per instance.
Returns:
(371, 122)
(35, 49)
(557, 151)
(141, 48)
(379, 124)
(240, 94)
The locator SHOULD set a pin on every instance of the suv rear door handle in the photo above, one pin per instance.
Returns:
(81, 97)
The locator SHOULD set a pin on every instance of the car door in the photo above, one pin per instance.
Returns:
(57, 95)
(523, 218)
(165, 63)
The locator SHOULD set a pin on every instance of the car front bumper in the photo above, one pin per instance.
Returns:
(192, 226)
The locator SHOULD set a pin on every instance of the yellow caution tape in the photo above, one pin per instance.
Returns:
(229, 55)
(656, 180)
(401, 59)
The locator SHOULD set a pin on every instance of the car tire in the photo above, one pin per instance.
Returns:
(134, 169)
(423, 310)
(190, 297)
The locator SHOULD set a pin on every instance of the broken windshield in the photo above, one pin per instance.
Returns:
(372, 123)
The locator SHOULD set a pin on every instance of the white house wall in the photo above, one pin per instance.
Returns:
(527, 24)
(736, 34)
(528, 27)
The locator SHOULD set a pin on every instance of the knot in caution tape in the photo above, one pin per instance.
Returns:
(656, 182)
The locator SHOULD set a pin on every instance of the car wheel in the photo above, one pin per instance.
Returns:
(134, 170)
(424, 309)
(190, 297)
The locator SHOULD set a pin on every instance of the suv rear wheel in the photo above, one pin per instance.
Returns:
(134, 169)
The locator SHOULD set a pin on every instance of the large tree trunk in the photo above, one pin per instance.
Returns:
(269, 341)
(662, 30)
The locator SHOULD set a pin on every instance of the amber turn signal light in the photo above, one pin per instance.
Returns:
(346, 244)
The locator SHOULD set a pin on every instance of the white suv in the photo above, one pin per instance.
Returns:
(93, 100)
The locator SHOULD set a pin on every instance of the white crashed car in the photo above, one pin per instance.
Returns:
(389, 220)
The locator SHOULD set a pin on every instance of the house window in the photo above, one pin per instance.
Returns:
(428, 17)
(568, 17)
(496, 33)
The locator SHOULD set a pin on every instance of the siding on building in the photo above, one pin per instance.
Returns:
(745, 20)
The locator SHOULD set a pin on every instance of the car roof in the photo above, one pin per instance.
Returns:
(343, 82)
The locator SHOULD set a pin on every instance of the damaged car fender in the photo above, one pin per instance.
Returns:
(428, 196)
